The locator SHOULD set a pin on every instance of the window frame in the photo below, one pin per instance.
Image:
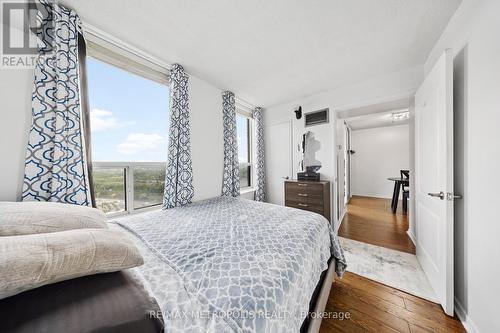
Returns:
(128, 184)
(125, 58)
(251, 163)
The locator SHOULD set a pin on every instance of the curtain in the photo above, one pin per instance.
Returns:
(179, 176)
(231, 175)
(55, 163)
(260, 192)
(85, 107)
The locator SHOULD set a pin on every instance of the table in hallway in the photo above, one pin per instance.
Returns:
(398, 183)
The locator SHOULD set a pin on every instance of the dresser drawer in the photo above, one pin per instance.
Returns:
(310, 189)
(304, 198)
(306, 206)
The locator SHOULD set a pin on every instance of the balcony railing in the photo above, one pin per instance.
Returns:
(123, 187)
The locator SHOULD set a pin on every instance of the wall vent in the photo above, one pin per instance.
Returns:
(316, 117)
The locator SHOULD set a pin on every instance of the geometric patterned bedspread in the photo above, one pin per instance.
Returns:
(233, 265)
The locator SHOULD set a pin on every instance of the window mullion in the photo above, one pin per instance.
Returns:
(130, 188)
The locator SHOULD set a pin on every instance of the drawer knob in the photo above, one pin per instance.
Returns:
(302, 184)
(302, 194)
(303, 205)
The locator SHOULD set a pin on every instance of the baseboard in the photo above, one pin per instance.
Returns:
(412, 237)
(380, 196)
(464, 318)
(342, 215)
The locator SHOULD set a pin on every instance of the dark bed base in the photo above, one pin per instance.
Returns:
(319, 299)
(110, 302)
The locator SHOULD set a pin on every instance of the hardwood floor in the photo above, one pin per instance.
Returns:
(370, 220)
(374, 307)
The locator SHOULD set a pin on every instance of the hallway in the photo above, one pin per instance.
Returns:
(371, 221)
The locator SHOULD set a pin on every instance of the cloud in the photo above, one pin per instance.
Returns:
(142, 143)
(101, 120)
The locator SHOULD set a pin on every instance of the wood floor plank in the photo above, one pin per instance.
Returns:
(370, 220)
(377, 310)
(372, 288)
(418, 329)
(372, 308)
(382, 289)
(375, 307)
(398, 312)
(433, 313)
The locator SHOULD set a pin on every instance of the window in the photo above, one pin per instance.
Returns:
(244, 126)
(129, 126)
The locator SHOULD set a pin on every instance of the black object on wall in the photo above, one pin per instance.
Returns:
(298, 112)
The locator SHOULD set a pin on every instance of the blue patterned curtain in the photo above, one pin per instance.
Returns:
(179, 177)
(260, 172)
(55, 167)
(231, 175)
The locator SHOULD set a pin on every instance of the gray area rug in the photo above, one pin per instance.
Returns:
(396, 269)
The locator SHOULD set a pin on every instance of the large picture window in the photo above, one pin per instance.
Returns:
(244, 125)
(129, 126)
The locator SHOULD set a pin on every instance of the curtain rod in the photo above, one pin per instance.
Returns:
(99, 34)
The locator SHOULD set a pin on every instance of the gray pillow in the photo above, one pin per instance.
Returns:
(24, 218)
(31, 261)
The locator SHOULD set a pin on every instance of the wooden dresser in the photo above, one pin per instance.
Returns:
(307, 195)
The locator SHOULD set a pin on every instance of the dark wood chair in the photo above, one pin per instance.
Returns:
(405, 174)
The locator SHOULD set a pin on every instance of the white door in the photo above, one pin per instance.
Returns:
(434, 178)
(278, 156)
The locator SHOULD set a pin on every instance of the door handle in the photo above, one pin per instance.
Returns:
(286, 178)
(439, 195)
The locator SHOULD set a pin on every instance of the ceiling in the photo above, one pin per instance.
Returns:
(379, 119)
(402, 103)
(269, 52)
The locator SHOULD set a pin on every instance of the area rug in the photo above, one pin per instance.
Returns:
(396, 269)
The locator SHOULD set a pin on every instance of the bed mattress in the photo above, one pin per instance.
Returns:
(233, 265)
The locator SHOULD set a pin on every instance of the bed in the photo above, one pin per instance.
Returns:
(236, 265)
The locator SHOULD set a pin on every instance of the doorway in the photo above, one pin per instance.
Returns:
(374, 148)
(374, 156)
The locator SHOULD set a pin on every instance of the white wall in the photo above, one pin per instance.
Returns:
(380, 153)
(15, 118)
(474, 35)
(378, 90)
(207, 149)
(15, 115)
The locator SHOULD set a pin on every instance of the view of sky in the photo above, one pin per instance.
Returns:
(242, 129)
(129, 115)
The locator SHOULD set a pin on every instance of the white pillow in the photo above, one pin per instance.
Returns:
(31, 261)
(24, 218)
